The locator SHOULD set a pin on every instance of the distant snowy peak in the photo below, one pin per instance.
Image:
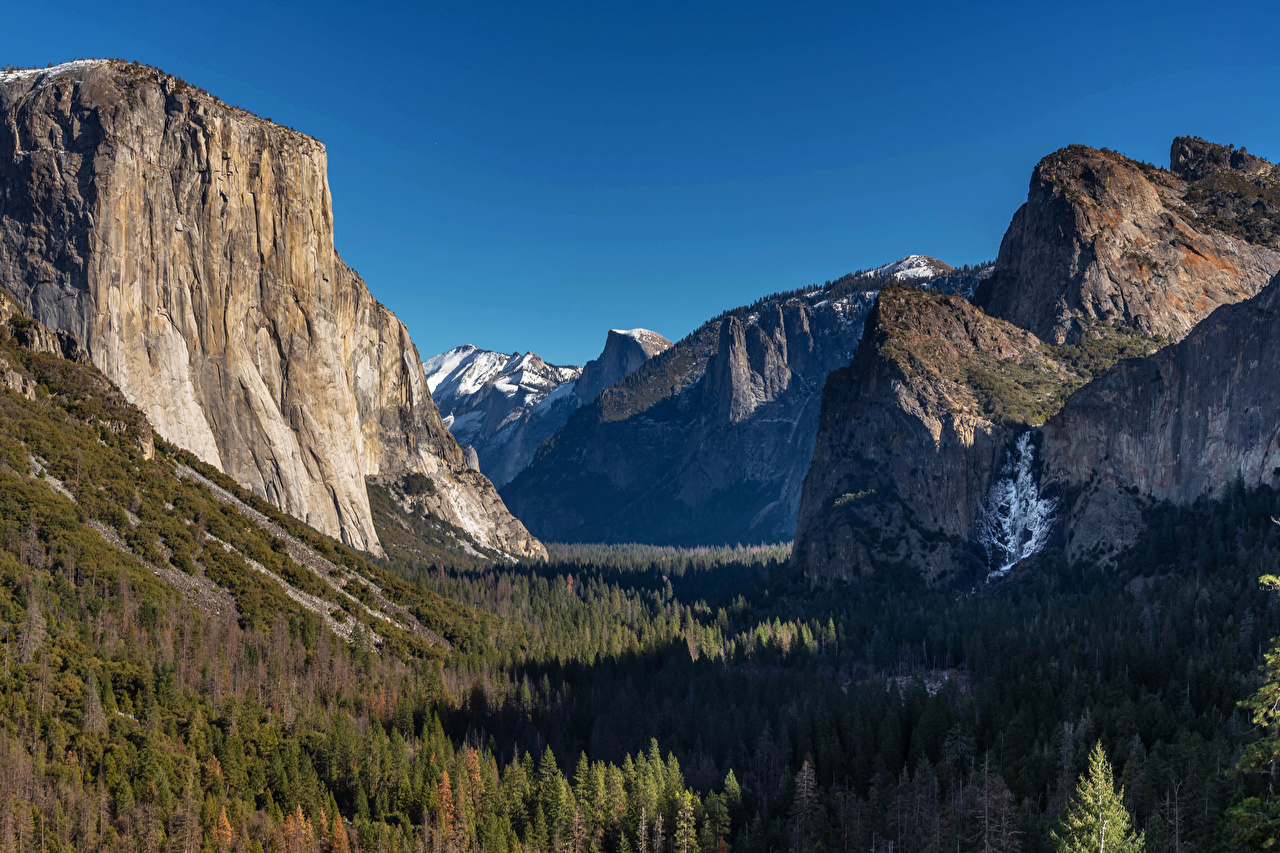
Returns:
(624, 351)
(466, 371)
(915, 268)
(651, 342)
(505, 405)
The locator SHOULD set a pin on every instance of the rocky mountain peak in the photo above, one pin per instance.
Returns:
(625, 350)
(504, 406)
(1103, 239)
(915, 268)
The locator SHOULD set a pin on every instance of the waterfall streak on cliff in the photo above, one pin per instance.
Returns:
(1015, 521)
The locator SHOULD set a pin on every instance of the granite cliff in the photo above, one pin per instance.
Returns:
(625, 351)
(187, 246)
(1103, 238)
(912, 431)
(1189, 421)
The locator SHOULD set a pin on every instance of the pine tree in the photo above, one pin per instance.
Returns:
(686, 837)
(444, 804)
(222, 834)
(1264, 706)
(804, 804)
(1096, 821)
(1256, 820)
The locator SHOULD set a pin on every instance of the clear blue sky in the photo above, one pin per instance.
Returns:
(528, 175)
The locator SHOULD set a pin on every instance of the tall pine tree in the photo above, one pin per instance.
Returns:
(1096, 821)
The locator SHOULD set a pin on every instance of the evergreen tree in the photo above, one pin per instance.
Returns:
(686, 836)
(1097, 821)
(804, 805)
(1264, 706)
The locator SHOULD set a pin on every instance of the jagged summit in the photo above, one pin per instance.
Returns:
(1194, 159)
(463, 371)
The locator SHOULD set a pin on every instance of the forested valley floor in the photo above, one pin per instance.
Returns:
(613, 700)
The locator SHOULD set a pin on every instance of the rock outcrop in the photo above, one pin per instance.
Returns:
(709, 441)
(1103, 238)
(911, 433)
(1189, 421)
(188, 247)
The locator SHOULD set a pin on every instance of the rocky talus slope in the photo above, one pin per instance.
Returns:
(1106, 238)
(187, 246)
(505, 406)
(1189, 421)
(709, 441)
(912, 431)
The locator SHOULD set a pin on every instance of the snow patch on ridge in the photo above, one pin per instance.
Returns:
(914, 268)
(38, 73)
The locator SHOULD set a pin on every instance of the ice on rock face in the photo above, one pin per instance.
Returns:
(1015, 521)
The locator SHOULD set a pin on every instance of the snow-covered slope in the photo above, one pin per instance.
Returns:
(505, 405)
(914, 268)
(462, 373)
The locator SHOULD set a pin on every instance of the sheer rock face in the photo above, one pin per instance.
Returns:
(908, 440)
(1188, 421)
(1103, 237)
(188, 246)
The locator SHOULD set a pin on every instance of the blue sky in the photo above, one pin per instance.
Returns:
(528, 175)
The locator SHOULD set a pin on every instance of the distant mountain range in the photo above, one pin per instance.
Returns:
(504, 406)
(710, 441)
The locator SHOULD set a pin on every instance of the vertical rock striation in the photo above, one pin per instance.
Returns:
(188, 247)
